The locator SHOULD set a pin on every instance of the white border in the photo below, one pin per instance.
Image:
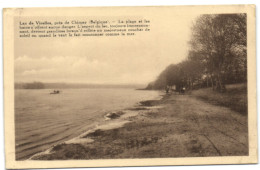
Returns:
(74, 3)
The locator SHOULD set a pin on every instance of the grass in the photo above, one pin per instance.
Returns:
(234, 98)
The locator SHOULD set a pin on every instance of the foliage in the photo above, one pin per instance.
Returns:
(217, 55)
(34, 85)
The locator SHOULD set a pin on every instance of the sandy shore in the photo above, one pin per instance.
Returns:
(175, 126)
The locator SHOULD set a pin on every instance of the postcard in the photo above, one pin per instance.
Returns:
(129, 86)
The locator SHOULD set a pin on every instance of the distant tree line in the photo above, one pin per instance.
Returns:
(217, 55)
(33, 85)
(40, 85)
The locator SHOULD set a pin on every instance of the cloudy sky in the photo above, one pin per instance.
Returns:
(112, 60)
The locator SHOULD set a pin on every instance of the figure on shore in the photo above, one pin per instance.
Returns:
(182, 91)
(167, 89)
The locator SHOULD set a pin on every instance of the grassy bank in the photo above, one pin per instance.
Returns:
(235, 97)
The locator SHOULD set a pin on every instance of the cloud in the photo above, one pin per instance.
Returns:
(122, 59)
(66, 68)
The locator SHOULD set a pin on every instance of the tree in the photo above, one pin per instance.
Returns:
(193, 71)
(215, 37)
(218, 54)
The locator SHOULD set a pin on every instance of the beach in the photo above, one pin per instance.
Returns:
(174, 126)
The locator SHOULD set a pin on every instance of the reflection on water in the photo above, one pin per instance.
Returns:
(43, 120)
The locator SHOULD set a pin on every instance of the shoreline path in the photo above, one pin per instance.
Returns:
(175, 126)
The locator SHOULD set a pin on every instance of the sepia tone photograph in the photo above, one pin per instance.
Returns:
(103, 84)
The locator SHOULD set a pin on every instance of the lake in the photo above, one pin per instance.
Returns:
(43, 120)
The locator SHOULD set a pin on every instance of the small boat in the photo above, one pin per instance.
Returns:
(55, 92)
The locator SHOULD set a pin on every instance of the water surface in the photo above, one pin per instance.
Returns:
(43, 120)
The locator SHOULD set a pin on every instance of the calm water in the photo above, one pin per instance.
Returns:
(43, 120)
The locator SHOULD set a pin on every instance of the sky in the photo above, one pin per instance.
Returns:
(105, 60)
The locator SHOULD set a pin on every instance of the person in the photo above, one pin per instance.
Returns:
(167, 89)
(183, 90)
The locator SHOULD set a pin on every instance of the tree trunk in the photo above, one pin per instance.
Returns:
(220, 85)
(207, 80)
(212, 83)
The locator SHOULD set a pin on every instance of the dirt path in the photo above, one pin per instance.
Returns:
(209, 129)
(176, 126)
